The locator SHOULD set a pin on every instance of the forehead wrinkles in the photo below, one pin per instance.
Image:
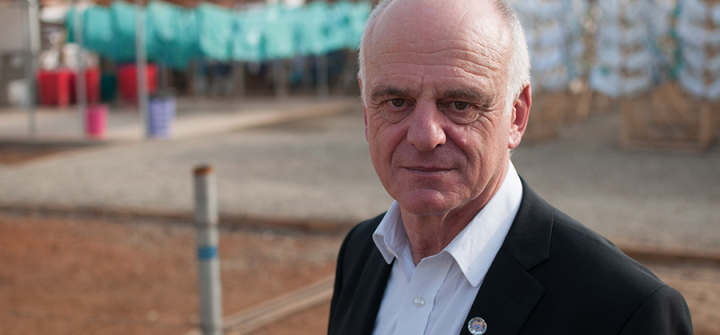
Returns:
(472, 40)
(414, 43)
(463, 58)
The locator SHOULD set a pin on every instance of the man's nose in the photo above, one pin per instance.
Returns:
(425, 129)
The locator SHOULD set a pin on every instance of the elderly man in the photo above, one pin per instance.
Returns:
(468, 247)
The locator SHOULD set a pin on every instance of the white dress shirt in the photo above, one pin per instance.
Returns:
(434, 297)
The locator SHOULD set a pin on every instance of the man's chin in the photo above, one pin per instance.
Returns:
(427, 204)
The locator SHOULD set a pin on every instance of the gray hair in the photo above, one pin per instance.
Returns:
(519, 67)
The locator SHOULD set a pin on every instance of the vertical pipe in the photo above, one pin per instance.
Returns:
(32, 40)
(280, 79)
(323, 89)
(80, 85)
(307, 82)
(141, 64)
(162, 73)
(238, 70)
(206, 219)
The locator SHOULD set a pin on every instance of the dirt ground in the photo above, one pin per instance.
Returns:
(92, 276)
(20, 152)
(88, 275)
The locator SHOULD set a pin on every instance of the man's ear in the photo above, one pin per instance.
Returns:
(365, 113)
(519, 117)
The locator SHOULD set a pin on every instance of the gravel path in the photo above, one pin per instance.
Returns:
(319, 168)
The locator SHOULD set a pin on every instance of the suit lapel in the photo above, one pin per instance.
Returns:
(372, 284)
(506, 297)
(509, 293)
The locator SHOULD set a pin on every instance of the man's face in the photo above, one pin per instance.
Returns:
(435, 85)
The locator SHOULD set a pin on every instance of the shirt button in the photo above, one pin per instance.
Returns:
(419, 302)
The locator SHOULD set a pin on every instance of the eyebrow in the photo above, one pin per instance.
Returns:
(389, 91)
(467, 94)
(461, 94)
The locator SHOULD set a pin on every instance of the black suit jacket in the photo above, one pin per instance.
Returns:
(551, 276)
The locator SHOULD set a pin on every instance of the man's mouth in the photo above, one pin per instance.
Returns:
(427, 169)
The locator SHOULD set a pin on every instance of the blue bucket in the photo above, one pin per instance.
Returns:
(161, 113)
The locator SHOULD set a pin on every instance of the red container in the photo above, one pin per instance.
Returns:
(127, 81)
(92, 82)
(92, 86)
(96, 121)
(54, 87)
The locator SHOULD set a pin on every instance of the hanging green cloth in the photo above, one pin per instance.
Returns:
(357, 18)
(175, 33)
(164, 18)
(70, 24)
(338, 25)
(97, 30)
(313, 29)
(124, 27)
(249, 39)
(279, 33)
(216, 27)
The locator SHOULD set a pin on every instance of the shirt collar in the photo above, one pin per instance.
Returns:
(474, 247)
(390, 236)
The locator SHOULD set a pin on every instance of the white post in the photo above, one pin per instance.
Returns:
(80, 85)
(141, 64)
(33, 44)
(206, 219)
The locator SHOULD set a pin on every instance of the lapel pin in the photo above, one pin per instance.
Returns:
(477, 326)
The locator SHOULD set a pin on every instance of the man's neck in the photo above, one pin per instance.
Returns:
(430, 234)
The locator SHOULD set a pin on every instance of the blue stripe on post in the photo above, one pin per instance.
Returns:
(206, 253)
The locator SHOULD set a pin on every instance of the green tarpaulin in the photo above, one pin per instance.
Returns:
(174, 35)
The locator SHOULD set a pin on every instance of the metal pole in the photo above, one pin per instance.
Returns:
(33, 44)
(280, 79)
(321, 65)
(206, 219)
(162, 73)
(141, 64)
(238, 72)
(80, 85)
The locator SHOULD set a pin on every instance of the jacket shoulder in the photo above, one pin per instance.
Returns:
(358, 243)
(586, 269)
(360, 278)
(585, 257)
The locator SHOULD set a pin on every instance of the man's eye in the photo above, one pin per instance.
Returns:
(397, 102)
(459, 105)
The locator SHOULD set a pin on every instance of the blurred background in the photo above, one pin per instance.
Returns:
(106, 107)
